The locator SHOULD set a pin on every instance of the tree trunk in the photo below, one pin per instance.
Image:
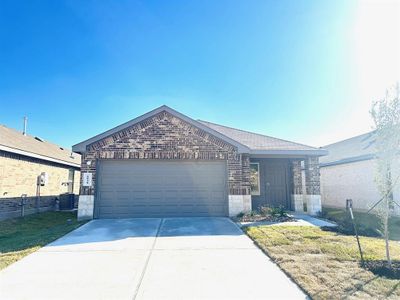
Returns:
(386, 231)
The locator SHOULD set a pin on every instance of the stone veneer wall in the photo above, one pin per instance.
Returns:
(167, 137)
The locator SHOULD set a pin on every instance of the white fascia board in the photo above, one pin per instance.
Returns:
(81, 147)
(38, 156)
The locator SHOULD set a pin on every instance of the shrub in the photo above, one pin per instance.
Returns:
(279, 212)
(253, 213)
(240, 215)
(265, 210)
(265, 213)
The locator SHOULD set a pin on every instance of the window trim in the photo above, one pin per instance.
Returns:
(258, 193)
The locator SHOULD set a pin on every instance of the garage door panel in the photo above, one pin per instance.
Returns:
(172, 180)
(106, 195)
(217, 196)
(161, 189)
(155, 194)
(171, 194)
(140, 194)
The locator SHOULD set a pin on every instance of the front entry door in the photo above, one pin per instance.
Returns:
(276, 188)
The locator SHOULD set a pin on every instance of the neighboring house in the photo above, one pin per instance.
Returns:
(23, 159)
(164, 163)
(348, 172)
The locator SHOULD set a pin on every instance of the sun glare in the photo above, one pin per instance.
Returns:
(377, 48)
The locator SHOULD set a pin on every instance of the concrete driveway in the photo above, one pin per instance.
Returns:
(173, 258)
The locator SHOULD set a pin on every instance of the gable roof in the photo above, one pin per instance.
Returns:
(358, 148)
(246, 142)
(263, 144)
(81, 147)
(14, 141)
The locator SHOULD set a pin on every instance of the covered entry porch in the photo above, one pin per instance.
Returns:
(290, 182)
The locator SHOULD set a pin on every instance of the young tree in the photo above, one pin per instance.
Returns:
(386, 116)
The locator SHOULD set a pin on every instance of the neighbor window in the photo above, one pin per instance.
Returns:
(255, 178)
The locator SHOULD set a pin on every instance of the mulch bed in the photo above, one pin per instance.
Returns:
(261, 218)
(380, 267)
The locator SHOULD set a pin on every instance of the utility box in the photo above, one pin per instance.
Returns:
(43, 179)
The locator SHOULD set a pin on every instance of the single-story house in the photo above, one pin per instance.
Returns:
(35, 171)
(348, 172)
(164, 163)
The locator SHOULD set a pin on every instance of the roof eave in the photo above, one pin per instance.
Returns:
(39, 156)
(349, 160)
(316, 152)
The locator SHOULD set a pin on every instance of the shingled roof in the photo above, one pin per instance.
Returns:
(246, 142)
(260, 143)
(14, 141)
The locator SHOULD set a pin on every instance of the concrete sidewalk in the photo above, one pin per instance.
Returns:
(299, 220)
(174, 258)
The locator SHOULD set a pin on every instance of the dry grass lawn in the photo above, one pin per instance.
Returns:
(326, 264)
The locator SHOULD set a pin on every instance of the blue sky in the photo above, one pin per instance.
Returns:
(300, 70)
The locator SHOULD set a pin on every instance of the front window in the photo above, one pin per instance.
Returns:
(255, 178)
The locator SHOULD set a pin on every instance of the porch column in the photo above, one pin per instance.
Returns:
(297, 197)
(86, 197)
(239, 184)
(313, 193)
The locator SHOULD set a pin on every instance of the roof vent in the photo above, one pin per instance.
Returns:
(39, 139)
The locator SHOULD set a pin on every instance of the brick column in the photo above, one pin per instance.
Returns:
(86, 197)
(297, 198)
(239, 184)
(313, 193)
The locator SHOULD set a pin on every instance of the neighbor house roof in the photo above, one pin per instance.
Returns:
(14, 141)
(246, 142)
(259, 143)
(358, 148)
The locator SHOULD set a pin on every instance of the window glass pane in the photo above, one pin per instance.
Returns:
(255, 179)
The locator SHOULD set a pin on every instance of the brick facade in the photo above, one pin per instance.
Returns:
(312, 176)
(18, 175)
(356, 181)
(308, 192)
(165, 136)
(297, 183)
(311, 168)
